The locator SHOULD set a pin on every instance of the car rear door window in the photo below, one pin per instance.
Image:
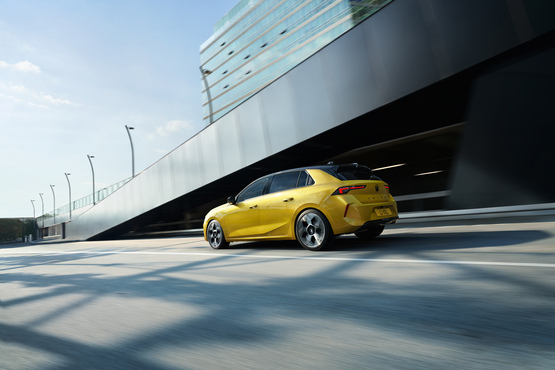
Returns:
(284, 181)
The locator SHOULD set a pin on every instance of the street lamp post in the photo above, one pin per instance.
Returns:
(42, 201)
(69, 186)
(204, 73)
(54, 196)
(92, 169)
(132, 150)
(34, 220)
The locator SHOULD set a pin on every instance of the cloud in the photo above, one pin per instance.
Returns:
(30, 97)
(172, 127)
(18, 88)
(56, 101)
(25, 66)
(41, 106)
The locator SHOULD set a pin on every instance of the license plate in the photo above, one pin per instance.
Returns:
(383, 212)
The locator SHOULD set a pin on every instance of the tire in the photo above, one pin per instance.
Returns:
(313, 231)
(215, 235)
(371, 233)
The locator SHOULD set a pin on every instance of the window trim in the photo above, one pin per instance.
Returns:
(270, 179)
(264, 189)
(283, 173)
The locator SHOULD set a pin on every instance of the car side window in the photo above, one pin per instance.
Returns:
(302, 179)
(305, 180)
(253, 190)
(284, 181)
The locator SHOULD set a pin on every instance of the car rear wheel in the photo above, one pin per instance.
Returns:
(371, 233)
(313, 231)
(215, 235)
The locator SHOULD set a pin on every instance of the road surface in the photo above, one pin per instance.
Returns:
(460, 297)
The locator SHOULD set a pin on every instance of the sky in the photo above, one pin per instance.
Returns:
(73, 73)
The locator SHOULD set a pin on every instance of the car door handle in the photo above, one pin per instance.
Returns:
(253, 207)
(288, 199)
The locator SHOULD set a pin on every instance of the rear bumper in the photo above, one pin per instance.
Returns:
(376, 223)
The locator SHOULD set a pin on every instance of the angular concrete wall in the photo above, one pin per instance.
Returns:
(507, 153)
(405, 47)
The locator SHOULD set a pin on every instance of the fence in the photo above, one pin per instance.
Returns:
(78, 206)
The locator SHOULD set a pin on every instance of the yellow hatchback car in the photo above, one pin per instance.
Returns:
(311, 205)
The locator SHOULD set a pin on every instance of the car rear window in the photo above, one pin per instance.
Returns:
(354, 172)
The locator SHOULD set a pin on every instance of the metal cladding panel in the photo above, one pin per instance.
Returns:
(193, 160)
(126, 198)
(230, 144)
(473, 30)
(310, 100)
(98, 218)
(179, 174)
(253, 131)
(166, 179)
(350, 94)
(541, 16)
(511, 127)
(184, 168)
(211, 153)
(283, 125)
(153, 177)
(400, 39)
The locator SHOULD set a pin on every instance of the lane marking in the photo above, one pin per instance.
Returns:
(345, 259)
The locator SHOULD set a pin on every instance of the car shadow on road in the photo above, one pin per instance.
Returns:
(443, 240)
(412, 241)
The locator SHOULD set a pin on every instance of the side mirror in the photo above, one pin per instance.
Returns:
(231, 200)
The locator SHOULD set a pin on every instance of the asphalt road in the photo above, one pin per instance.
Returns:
(453, 297)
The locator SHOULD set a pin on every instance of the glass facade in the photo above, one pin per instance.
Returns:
(260, 40)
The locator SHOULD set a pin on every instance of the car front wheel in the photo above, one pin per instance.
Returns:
(313, 231)
(215, 235)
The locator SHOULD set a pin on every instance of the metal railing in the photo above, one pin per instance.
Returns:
(78, 206)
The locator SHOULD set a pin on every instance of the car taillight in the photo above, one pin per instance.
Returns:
(346, 189)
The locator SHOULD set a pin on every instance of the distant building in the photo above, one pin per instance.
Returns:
(260, 40)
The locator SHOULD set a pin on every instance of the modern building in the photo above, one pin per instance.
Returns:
(449, 101)
(258, 41)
